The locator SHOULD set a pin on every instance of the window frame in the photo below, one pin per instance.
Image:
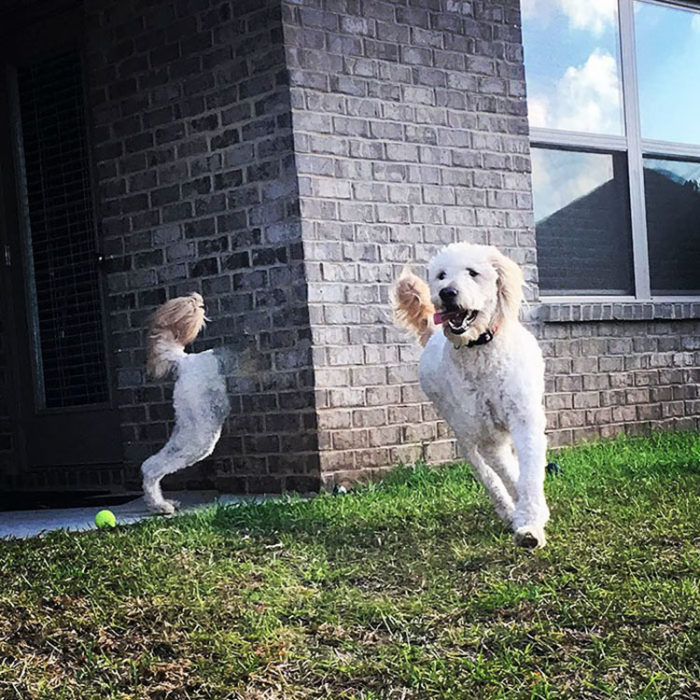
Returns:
(635, 148)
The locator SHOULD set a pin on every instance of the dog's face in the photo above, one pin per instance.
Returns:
(473, 288)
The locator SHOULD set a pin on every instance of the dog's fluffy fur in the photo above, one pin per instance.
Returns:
(200, 398)
(490, 394)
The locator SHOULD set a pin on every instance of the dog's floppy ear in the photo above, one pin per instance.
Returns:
(510, 288)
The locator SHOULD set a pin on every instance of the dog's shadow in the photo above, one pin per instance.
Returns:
(366, 523)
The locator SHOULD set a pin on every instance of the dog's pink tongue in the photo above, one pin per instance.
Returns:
(442, 316)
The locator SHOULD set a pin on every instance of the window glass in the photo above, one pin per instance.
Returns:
(668, 71)
(672, 190)
(572, 65)
(584, 243)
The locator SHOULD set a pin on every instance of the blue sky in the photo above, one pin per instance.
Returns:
(668, 64)
(573, 67)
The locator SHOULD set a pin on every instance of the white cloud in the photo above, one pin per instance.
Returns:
(594, 15)
(539, 11)
(588, 15)
(529, 8)
(695, 22)
(586, 98)
(538, 111)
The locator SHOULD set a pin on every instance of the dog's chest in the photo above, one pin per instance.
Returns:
(468, 394)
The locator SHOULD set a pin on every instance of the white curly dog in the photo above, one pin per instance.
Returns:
(200, 398)
(485, 375)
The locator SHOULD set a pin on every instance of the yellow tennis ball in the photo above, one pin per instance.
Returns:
(105, 518)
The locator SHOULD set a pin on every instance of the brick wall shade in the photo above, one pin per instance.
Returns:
(604, 378)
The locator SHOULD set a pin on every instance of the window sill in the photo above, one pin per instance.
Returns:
(572, 311)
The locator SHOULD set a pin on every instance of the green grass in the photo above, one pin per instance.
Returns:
(405, 589)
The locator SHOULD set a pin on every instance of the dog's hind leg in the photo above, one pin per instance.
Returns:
(501, 499)
(185, 448)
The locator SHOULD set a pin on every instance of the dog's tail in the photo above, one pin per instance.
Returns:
(413, 309)
(174, 325)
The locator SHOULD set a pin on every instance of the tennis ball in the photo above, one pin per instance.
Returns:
(105, 518)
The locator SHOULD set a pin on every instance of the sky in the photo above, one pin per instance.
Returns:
(668, 64)
(572, 67)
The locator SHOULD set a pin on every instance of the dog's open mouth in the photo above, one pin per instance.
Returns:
(457, 321)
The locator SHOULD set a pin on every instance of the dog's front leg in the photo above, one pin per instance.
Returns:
(531, 511)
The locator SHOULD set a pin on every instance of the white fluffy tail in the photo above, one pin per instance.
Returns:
(412, 306)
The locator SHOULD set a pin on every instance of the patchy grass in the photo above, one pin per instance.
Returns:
(405, 589)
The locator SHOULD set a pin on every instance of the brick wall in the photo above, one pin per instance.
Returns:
(626, 376)
(410, 132)
(197, 191)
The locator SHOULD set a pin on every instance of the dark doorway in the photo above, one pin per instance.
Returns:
(54, 322)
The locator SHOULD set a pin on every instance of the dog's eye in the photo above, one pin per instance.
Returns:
(472, 273)
(441, 276)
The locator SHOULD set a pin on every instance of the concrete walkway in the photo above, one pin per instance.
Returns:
(29, 523)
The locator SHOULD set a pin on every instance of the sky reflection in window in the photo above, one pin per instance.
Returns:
(572, 65)
(668, 70)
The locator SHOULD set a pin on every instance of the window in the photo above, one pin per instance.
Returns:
(613, 103)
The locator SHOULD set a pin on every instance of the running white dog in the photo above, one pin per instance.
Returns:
(200, 398)
(485, 375)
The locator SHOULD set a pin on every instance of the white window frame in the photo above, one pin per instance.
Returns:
(636, 149)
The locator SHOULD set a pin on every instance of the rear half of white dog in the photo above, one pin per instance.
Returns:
(485, 374)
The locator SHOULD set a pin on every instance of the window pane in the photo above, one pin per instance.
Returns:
(672, 190)
(584, 242)
(572, 65)
(668, 57)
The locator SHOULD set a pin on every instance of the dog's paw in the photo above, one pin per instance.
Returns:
(530, 536)
(163, 507)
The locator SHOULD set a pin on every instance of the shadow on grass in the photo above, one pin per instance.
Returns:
(411, 502)
(448, 501)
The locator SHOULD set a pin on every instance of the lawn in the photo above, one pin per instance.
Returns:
(405, 589)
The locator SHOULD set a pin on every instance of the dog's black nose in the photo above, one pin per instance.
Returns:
(448, 296)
